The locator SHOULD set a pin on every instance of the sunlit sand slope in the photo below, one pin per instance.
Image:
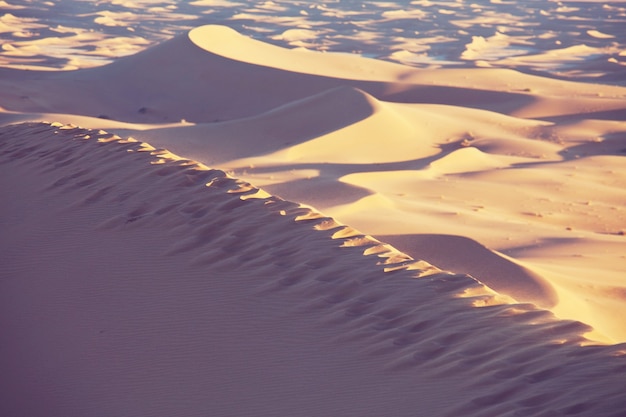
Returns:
(136, 282)
(519, 176)
(215, 74)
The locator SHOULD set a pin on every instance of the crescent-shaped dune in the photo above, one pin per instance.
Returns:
(140, 88)
(355, 137)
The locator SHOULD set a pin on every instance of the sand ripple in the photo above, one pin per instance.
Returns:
(136, 282)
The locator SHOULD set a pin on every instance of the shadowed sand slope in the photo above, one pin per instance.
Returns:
(510, 161)
(217, 74)
(281, 128)
(330, 127)
(457, 253)
(135, 282)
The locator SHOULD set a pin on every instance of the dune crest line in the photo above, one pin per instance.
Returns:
(521, 174)
(159, 276)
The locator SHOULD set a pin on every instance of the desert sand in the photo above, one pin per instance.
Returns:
(255, 208)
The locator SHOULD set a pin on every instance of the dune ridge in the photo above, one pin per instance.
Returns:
(135, 88)
(528, 36)
(442, 151)
(186, 251)
(139, 247)
(283, 127)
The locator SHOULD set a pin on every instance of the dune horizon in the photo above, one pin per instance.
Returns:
(211, 213)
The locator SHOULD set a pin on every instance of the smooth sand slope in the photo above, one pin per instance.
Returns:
(136, 282)
(515, 179)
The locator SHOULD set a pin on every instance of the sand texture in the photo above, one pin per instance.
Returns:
(284, 208)
(154, 285)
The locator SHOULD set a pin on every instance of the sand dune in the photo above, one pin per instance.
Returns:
(284, 127)
(499, 272)
(187, 291)
(371, 142)
(145, 273)
(138, 88)
(423, 34)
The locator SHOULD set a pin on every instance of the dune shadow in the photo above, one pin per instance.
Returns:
(320, 193)
(615, 114)
(208, 87)
(612, 144)
(336, 170)
(464, 255)
(496, 101)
